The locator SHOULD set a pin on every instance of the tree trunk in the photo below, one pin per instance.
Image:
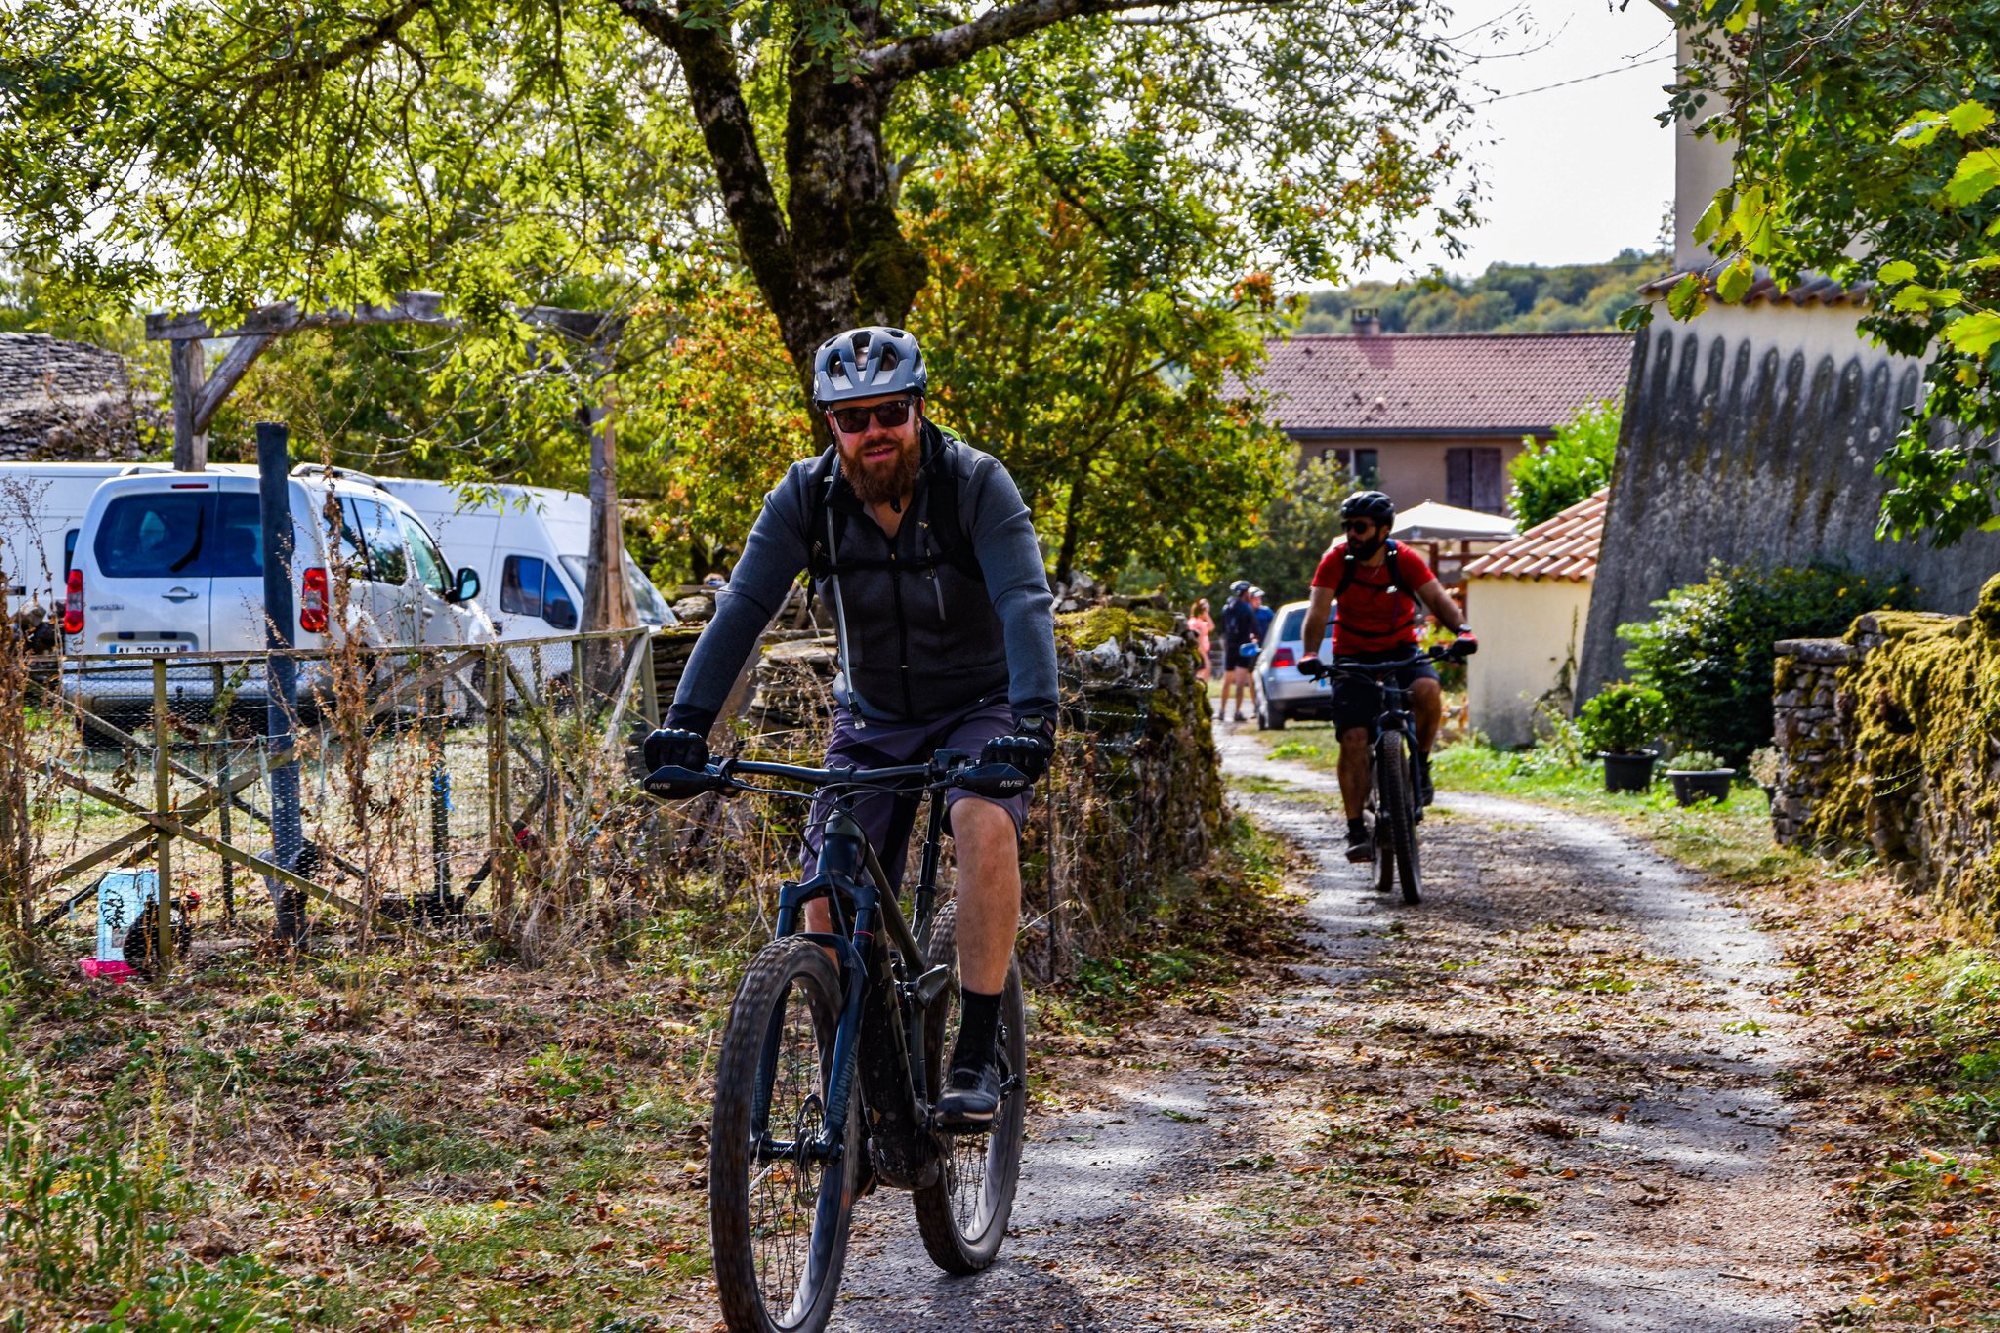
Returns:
(833, 255)
(1072, 516)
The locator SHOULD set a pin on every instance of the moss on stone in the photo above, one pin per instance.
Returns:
(1083, 630)
(1920, 779)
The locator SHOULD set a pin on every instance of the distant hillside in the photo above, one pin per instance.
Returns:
(1507, 298)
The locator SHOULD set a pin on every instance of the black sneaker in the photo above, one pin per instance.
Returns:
(1360, 842)
(1425, 793)
(971, 1099)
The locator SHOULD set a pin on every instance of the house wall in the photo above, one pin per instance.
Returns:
(1751, 437)
(1529, 629)
(1411, 469)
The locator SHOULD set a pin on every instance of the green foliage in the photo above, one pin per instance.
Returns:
(1551, 475)
(1876, 160)
(1709, 650)
(84, 1218)
(1086, 332)
(1696, 761)
(1507, 298)
(1296, 530)
(1622, 718)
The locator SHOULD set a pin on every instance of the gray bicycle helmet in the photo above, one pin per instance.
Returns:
(1238, 588)
(1369, 504)
(866, 363)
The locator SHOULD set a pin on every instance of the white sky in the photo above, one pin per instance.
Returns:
(1571, 174)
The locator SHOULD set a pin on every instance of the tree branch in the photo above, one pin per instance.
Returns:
(953, 46)
(716, 91)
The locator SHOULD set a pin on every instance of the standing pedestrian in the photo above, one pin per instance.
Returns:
(1202, 627)
(1239, 631)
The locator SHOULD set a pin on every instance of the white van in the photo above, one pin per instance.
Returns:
(41, 510)
(172, 562)
(530, 545)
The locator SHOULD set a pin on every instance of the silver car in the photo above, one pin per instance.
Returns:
(1281, 692)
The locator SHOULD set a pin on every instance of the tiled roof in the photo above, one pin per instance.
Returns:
(1563, 547)
(1396, 383)
(1810, 289)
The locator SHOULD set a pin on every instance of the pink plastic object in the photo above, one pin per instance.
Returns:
(116, 970)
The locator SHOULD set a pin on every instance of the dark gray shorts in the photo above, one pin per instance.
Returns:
(887, 818)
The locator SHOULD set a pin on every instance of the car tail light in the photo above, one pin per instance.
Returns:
(312, 601)
(73, 604)
(1283, 657)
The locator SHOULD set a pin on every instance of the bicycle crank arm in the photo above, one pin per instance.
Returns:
(786, 1150)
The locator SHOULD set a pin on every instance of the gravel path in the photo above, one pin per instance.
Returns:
(1549, 1097)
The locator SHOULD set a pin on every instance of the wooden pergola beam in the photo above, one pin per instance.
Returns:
(197, 395)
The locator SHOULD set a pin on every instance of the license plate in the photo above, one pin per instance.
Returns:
(153, 648)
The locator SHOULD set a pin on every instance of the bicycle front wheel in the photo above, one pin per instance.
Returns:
(1396, 781)
(963, 1214)
(779, 1201)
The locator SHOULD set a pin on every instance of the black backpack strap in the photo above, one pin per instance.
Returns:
(945, 528)
(1389, 553)
(947, 532)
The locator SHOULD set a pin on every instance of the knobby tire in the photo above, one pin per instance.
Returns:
(1394, 777)
(963, 1214)
(778, 1229)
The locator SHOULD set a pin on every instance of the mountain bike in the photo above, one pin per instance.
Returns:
(1392, 805)
(835, 1053)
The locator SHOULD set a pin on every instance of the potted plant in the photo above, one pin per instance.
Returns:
(1619, 722)
(1698, 775)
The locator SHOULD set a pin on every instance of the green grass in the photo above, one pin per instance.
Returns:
(1732, 840)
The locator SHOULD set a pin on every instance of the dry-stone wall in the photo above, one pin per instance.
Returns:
(1889, 741)
(1131, 811)
(61, 399)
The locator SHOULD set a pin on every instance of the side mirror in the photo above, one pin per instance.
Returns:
(467, 586)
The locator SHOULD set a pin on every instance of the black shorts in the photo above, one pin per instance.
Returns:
(1233, 658)
(1358, 702)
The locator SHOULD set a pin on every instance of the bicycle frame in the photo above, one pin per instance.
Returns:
(877, 950)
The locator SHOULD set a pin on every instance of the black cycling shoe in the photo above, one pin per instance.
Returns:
(971, 1099)
(1360, 842)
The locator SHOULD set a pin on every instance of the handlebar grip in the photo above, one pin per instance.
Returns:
(996, 780)
(672, 782)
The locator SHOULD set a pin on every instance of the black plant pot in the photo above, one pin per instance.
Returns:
(1628, 771)
(1701, 785)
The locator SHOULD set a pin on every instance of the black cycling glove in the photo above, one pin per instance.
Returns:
(681, 749)
(1030, 749)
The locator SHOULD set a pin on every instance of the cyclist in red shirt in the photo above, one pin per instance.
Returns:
(1378, 586)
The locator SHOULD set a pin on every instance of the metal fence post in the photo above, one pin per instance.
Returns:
(164, 841)
(274, 500)
(220, 766)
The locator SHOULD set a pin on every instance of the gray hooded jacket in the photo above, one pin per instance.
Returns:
(921, 639)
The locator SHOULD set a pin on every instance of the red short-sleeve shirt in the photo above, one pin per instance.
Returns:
(1372, 616)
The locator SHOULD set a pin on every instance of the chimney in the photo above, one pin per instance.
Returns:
(1367, 321)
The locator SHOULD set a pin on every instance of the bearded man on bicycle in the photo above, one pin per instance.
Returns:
(925, 554)
(1377, 585)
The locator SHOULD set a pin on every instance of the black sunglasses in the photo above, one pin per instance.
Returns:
(1357, 524)
(854, 420)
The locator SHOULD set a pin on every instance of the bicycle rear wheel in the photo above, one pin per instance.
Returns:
(1396, 781)
(778, 1208)
(963, 1214)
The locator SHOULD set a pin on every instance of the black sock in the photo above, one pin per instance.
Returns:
(978, 1029)
(1357, 828)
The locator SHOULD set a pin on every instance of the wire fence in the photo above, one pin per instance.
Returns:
(489, 790)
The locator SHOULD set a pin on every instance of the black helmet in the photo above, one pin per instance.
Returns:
(866, 363)
(1369, 504)
(1238, 588)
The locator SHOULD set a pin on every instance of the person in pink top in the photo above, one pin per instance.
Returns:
(1198, 621)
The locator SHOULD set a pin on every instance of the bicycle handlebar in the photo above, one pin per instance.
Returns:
(946, 768)
(1349, 666)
